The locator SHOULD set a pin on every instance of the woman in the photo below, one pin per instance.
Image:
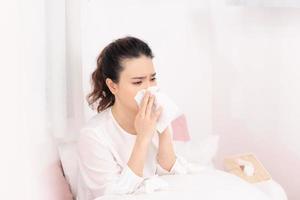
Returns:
(116, 147)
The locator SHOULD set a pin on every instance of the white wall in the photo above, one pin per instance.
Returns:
(36, 88)
(23, 124)
(256, 87)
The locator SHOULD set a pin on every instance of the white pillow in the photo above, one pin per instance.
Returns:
(68, 157)
(200, 151)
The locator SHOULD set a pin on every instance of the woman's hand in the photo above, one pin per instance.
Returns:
(146, 118)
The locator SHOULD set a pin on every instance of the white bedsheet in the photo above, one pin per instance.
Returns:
(209, 184)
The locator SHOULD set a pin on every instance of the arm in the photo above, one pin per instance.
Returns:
(166, 156)
(137, 159)
(144, 123)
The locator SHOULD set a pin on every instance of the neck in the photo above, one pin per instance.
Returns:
(124, 117)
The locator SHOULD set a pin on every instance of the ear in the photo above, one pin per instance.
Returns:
(112, 86)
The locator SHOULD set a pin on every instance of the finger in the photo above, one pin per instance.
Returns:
(158, 113)
(144, 104)
(150, 105)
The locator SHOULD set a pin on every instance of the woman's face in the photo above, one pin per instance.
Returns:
(138, 74)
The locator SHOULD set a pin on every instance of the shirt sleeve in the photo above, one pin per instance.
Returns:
(179, 167)
(100, 173)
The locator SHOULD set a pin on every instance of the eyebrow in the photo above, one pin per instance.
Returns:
(143, 77)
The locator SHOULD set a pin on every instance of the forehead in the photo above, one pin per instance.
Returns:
(141, 66)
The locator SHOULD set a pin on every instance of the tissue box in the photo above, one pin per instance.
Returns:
(260, 173)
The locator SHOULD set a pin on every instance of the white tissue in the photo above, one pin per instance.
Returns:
(152, 184)
(248, 167)
(170, 110)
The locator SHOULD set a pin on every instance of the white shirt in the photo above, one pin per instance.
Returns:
(104, 149)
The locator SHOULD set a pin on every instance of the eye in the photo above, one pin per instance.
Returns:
(137, 83)
(153, 79)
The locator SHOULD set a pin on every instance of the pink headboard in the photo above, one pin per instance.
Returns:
(56, 185)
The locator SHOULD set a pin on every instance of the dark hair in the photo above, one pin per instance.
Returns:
(109, 66)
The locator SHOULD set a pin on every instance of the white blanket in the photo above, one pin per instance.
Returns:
(209, 184)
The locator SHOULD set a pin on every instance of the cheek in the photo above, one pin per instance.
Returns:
(128, 93)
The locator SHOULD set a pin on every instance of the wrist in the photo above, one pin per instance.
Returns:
(165, 136)
(143, 140)
(165, 132)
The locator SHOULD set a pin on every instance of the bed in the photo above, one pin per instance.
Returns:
(207, 184)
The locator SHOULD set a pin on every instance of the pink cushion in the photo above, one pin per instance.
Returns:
(180, 129)
(56, 186)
